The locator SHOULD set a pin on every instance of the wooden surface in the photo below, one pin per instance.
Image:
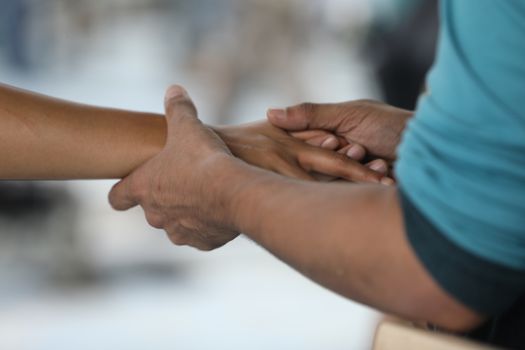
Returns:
(396, 335)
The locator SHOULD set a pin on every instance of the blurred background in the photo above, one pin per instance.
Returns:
(76, 275)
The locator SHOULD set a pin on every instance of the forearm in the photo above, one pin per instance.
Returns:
(320, 229)
(349, 238)
(46, 138)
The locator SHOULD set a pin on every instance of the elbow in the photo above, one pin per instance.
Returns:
(439, 309)
(463, 325)
(458, 321)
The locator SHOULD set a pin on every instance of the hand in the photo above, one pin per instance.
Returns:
(374, 125)
(263, 145)
(182, 188)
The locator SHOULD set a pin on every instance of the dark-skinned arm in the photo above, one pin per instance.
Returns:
(350, 239)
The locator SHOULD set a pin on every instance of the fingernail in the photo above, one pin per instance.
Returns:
(175, 91)
(379, 167)
(387, 181)
(277, 113)
(355, 152)
(330, 142)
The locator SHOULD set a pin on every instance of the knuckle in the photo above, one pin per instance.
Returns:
(205, 247)
(177, 239)
(307, 108)
(304, 159)
(154, 220)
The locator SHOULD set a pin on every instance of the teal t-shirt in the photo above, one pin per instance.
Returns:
(462, 158)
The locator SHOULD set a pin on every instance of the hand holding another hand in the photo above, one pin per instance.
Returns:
(188, 188)
(181, 189)
(317, 155)
(374, 125)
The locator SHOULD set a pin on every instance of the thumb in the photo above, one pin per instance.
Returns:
(121, 197)
(306, 116)
(178, 104)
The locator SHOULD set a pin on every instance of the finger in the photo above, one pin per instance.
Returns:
(182, 236)
(178, 234)
(154, 219)
(178, 239)
(329, 142)
(338, 165)
(324, 178)
(379, 165)
(309, 134)
(290, 170)
(354, 151)
(178, 105)
(306, 116)
(121, 197)
(388, 181)
(320, 138)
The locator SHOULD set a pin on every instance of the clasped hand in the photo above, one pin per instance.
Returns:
(189, 188)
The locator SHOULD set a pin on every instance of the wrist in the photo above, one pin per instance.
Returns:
(230, 179)
(239, 188)
(155, 138)
(226, 133)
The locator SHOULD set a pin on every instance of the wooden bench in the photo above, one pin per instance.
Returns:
(399, 335)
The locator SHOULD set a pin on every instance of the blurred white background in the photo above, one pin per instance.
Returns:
(76, 275)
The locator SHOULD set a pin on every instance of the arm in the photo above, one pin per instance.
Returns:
(349, 238)
(46, 138)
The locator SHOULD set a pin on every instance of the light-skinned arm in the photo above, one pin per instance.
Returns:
(46, 138)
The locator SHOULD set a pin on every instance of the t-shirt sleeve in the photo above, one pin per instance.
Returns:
(461, 163)
(479, 284)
